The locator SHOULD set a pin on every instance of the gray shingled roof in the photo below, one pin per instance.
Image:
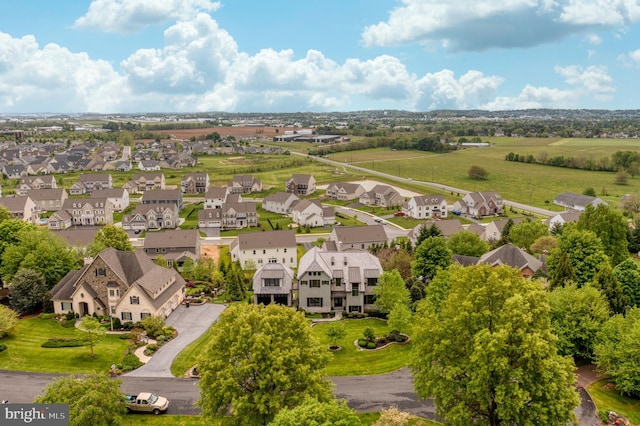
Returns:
(267, 239)
(360, 234)
(511, 255)
(172, 238)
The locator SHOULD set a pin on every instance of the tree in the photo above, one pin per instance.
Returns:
(396, 258)
(505, 238)
(161, 261)
(577, 315)
(93, 331)
(400, 318)
(95, 399)
(390, 291)
(109, 236)
(467, 243)
(584, 251)
(28, 291)
(5, 214)
(589, 191)
(544, 244)
(431, 256)
(606, 282)
(188, 268)
(259, 361)
(563, 272)
(313, 412)
(487, 354)
(203, 269)
(426, 232)
(622, 178)
(8, 320)
(610, 226)
(617, 351)
(10, 230)
(153, 326)
(628, 275)
(631, 204)
(394, 417)
(40, 250)
(234, 285)
(525, 233)
(477, 173)
(335, 332)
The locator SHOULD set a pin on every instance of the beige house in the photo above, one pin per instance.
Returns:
(358, 237)
(265, 247)
(299, 184)
(245, 184)
(426, 207)
(142, 182)
(35, 182)
(123, 284)
(48, 199)
(344, 191)
(22, 208)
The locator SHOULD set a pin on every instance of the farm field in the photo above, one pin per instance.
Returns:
(527, 183)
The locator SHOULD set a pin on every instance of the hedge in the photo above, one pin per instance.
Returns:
(60, 342)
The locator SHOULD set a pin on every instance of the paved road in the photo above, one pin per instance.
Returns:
(190, 324)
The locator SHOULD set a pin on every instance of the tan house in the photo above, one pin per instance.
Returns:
(259, 248)
(344, 191)
(142, 182)
(154, 216)
(239, 215)
(35, 182)
(119, 197)
(88, 211)
(89, 182)
(22, 208)
(300, 184)
(245, 184)
(195, 183)
(123, 284)
(383, 196)
(175, 245)
(48, 199)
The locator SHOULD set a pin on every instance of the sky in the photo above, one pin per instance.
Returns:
(136, 56)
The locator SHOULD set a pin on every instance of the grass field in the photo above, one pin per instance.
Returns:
(25, 354)
(608, 399)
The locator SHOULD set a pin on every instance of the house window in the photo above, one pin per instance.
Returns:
(144, 315)
(101, 271)
(113, 310)
(372, 281)
(304, 282)
(126, 316)
(272, 282)
(67, 306)
(354, 292)
(114, 292)
(134, 300)
(325, 282)
(355, 308)
(338, 282)
(314, 302)
(285, 250)
(273, 260)
(314, 283)
(337, 302)
(369, 299)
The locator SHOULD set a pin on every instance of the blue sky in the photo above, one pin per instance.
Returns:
(125, 56)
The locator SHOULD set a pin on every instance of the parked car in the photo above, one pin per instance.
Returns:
(400, 214)
(146, 402)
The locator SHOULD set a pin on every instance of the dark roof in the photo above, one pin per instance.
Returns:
(172, 239)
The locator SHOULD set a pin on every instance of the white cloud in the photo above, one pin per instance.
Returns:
(441, 90)
(483, 24)
(631, 59)
(594, 39)
(128, 16)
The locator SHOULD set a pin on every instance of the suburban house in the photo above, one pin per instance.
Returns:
(569, 216)
(123, 284)
(22, 208)
(123, 166)
(273, 283)
(148, 165)
(425, 207)
(142, 182)
(299, 184)
(214, 198)
(119, 197)
(344, 191)
(162, 196)
(245, 184)
(14, 171)
(210, 219)
(382, 196)
(447, 228)
(35, 182)
(239, 215)
(358, 237)
(258, 248)
(82, 212)
(175, 246)
(151, 216)
(78, 238)
(280, 202)
(87, 183)
(312, 213)
(577, 202)
(48, 200)
(479, 204)
(493, 230)
(195, 183)
(513, 256)
(334, 281)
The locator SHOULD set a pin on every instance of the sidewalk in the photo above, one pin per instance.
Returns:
(338, 317)
(140, 351)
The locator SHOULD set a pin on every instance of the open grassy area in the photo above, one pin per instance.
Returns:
(352, 361)
(608, 399)
(25, 354)
(187, 358)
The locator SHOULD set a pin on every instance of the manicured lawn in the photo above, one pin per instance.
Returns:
(187, 358)
(25, 354)
(607, 399)
(352, 361)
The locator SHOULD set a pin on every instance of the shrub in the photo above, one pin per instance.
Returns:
(47, 316)
(151, 349)
(125, 336)
(371, 345)
(130, 362)
(153, 326)
(161, 339)
(68, 323)
(70, 315)
(362, 343)
(61, 342)
(3, 347)
(128, 325)
(116, 323)
(369, 334)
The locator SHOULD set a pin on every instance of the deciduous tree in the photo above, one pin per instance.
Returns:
(313, 412)
(259, 361)
(335, 332)
(542, 244)
(92, 331)
(93, 400)
(607, 283)
(610, 226)
(525, 233)
(431, 256)
(390, 291)
(467, 243)
(488, 355)
(628, 275)
(584, 251)
(8, 320)
(109, 236)
(28, 291)
(477, 173)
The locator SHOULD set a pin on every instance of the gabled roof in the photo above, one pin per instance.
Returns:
(360, 234)
(280, 197)
(305, 204)
(161, 194)
(511, 255)
(14, 204)
(267, 240)
(299, 179)
(217, 192)
(46, 194)
(94, 177)
(428, 200)
(172, 239)
(109, 193)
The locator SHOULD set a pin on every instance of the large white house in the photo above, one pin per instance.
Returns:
(426, 207)
(258, 248)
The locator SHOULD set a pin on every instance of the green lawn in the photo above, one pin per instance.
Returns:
(607, 399)
(188, 356)
(352, 361)
(25, 354)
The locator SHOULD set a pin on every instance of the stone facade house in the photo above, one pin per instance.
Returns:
(259, 248)
(123, 284)
(273, 283)
(338, 281)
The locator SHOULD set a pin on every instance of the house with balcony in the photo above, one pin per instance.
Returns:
(426, 207)
(259, 248)
(123, 284)
(273, 283)
(337, 281)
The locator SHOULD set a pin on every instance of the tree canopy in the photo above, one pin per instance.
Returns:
(259, 361)
(628, 275)
(8, 320)
(313, 412)
(390, 291)
(467, 243)
(28, 291)
(431, 256)
(584, 252)
(93, 400)
(110, 236)
(487, 354)
(525, 233)
(478, 173)
(610, 226)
